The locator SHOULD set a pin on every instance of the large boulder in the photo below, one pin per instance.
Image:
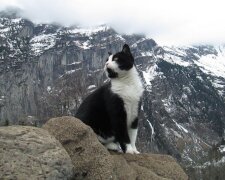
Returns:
(32, 153)
(93, 161)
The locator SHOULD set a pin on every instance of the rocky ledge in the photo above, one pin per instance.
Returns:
(68, 149)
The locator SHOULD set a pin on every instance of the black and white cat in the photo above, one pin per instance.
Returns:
(112, 110)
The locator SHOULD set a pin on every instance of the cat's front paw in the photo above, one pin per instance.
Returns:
(131, 150)
(135, 150)
(113, 147)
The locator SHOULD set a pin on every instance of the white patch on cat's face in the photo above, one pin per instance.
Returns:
(113, 65)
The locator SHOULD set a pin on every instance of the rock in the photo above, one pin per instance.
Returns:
(92, 160)
(89, 157)
(147, 167)
(32, 153)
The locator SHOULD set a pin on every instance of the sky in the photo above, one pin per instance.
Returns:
(168, 22)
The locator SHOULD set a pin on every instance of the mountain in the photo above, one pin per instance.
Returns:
(46, 70)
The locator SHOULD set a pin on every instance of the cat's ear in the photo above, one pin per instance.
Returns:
(109, 53)
(126, 49)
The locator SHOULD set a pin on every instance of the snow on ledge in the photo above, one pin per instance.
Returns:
(180, 127)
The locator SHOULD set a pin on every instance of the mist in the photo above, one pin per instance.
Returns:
(174, 22)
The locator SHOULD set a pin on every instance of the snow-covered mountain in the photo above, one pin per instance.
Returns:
(46, 70)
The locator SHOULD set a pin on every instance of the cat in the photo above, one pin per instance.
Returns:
(112, 110)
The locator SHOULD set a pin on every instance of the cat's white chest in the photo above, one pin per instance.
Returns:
(130, 90)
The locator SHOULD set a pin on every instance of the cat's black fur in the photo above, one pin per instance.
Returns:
(104, 112)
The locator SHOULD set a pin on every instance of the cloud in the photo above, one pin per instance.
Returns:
(167, 21)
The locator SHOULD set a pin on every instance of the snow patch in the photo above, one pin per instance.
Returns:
(222, 149)
(89, 31)
(137, 42)
(174, 55)
(169, 107)
(83, 45)
(91, 87)
(173, 59)
(219, 85)
(17, 20)
(4, 30)
(180, 127)
(49, 89)
(75, 63)
(176, 133)
(175, 50)
(212, 64)
(70, 72)
(215, 163)
(146, 53)
(150, 74)
(184, 96)
(152, 129)
(42, 43)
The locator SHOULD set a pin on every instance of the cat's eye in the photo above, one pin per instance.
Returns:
(115, 59)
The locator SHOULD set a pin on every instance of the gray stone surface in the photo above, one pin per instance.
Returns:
(32, 153)
(93, 161)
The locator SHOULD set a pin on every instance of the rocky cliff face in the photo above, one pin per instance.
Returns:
(46, 70)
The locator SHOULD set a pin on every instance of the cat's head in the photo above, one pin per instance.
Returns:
(119, 64)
